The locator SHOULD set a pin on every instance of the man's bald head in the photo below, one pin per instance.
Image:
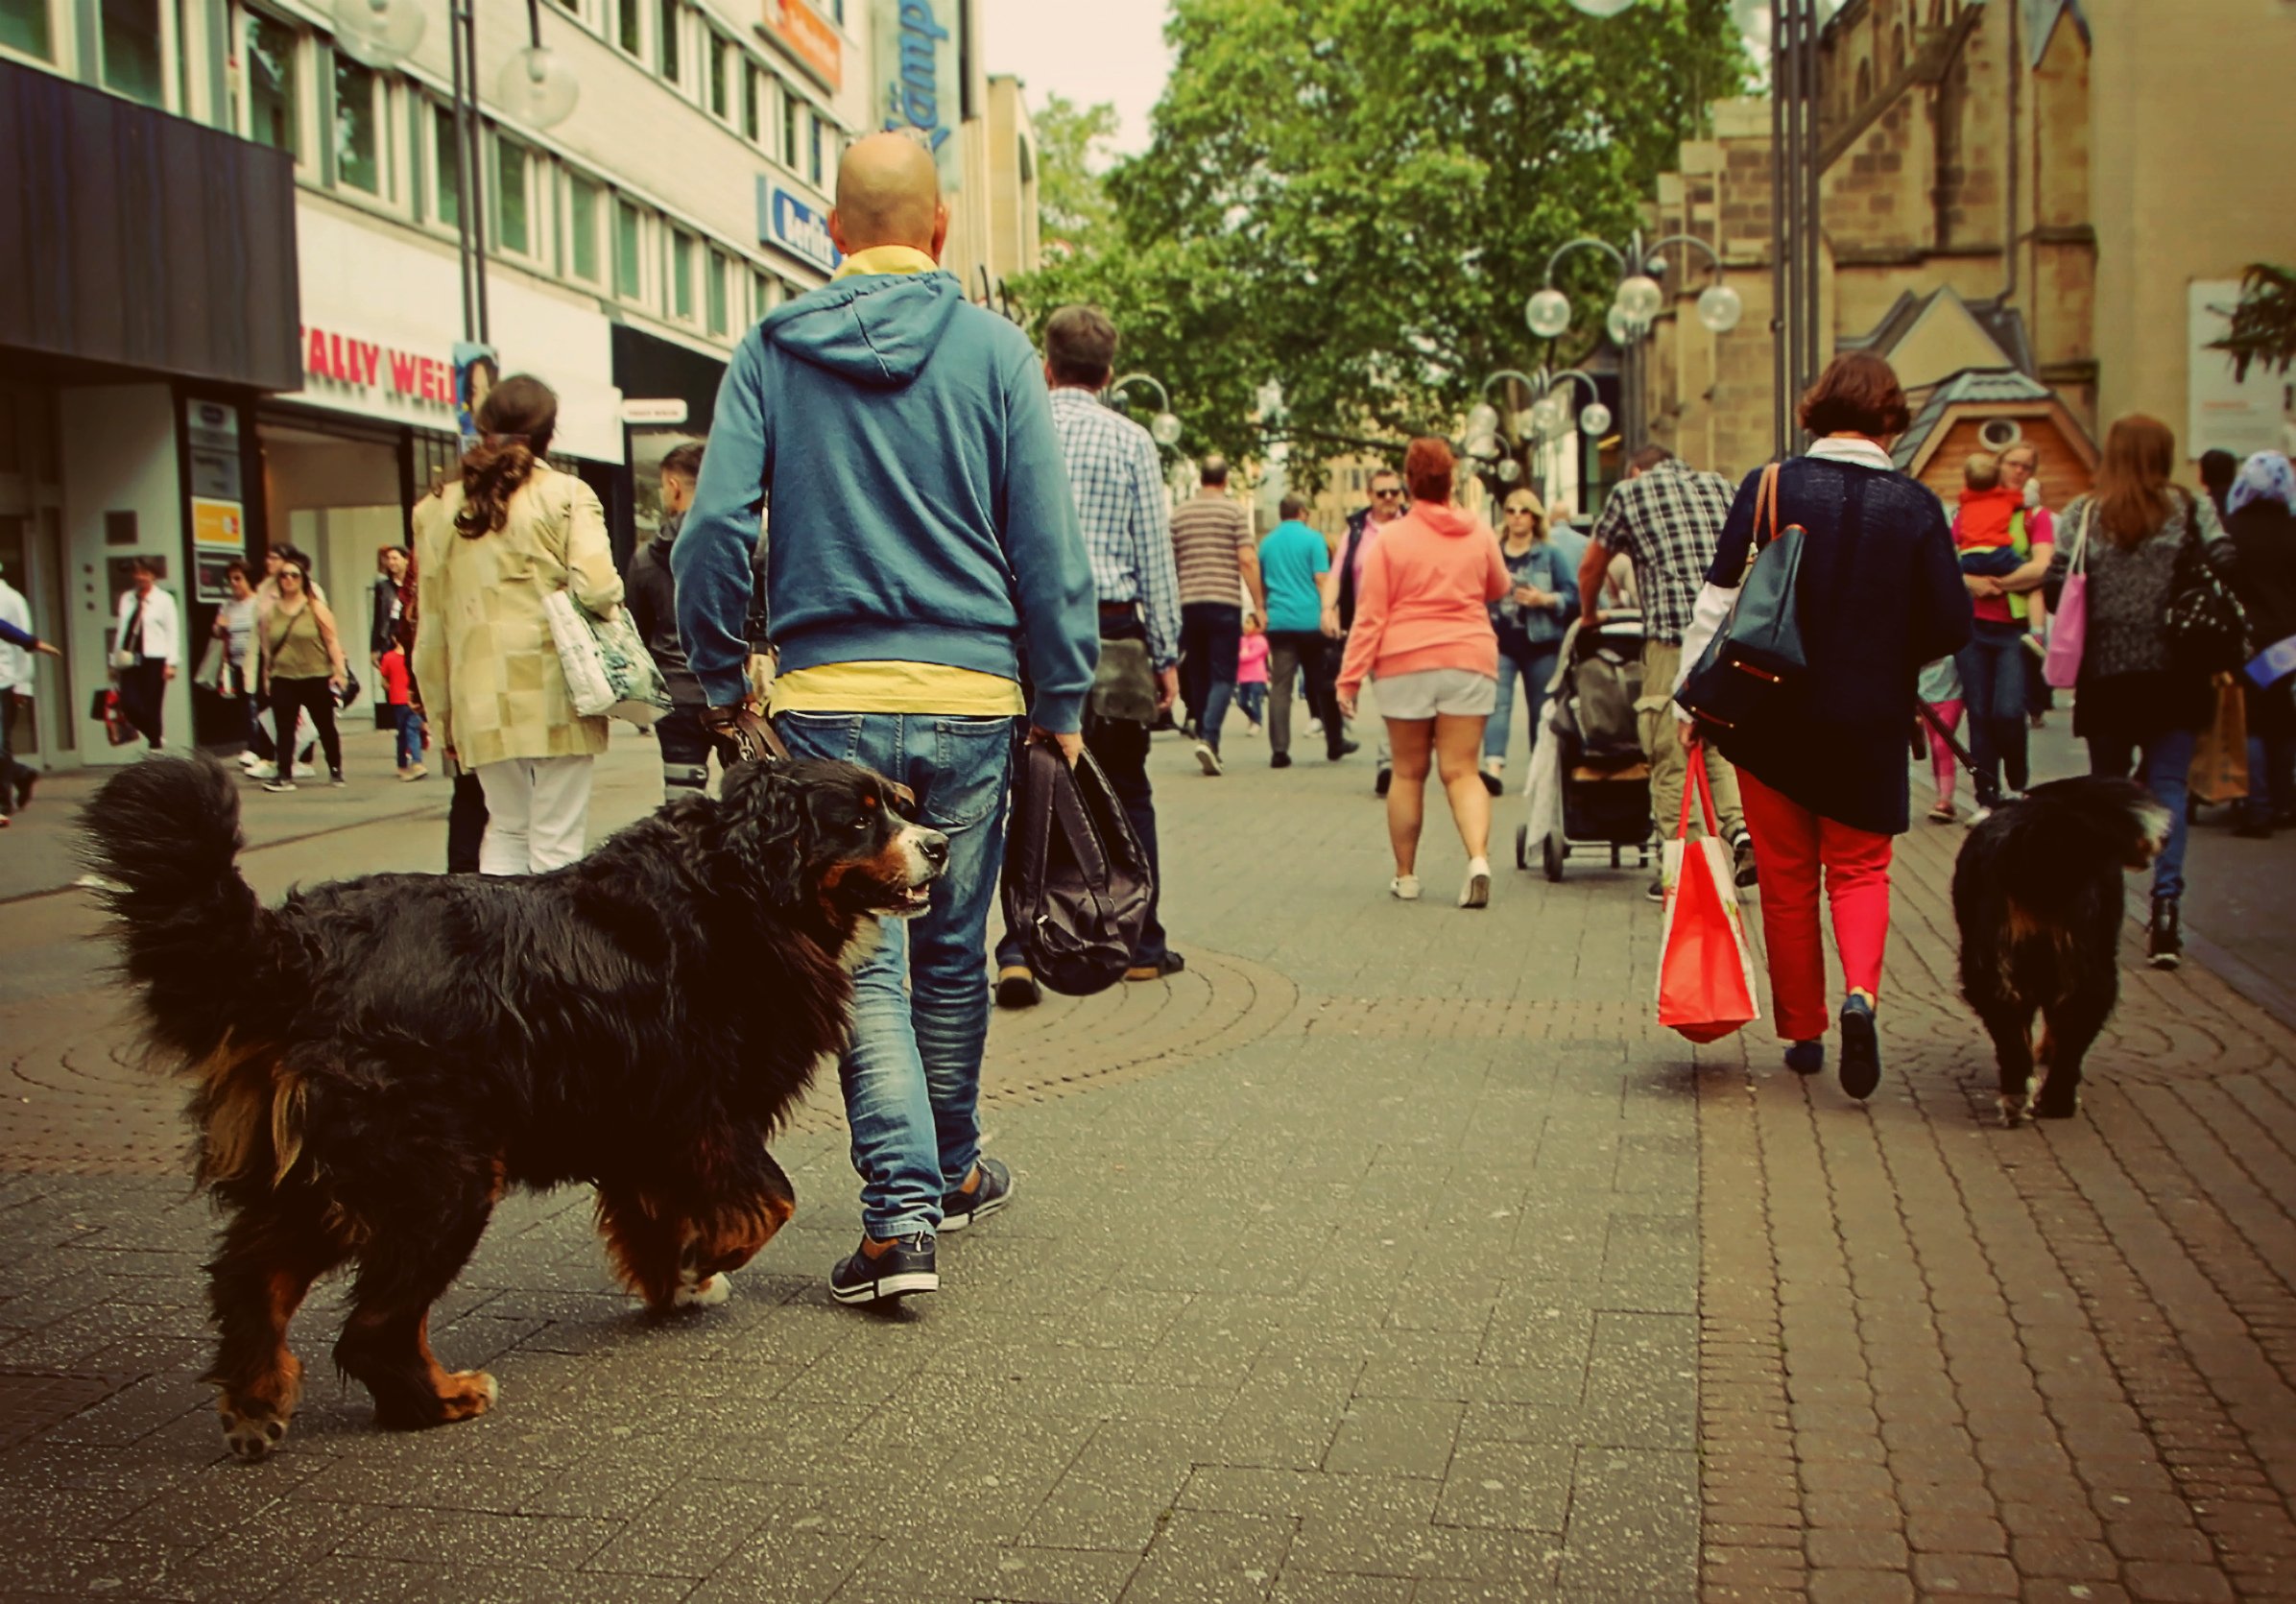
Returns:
(888, 193)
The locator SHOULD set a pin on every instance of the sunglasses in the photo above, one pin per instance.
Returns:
(1388, 495)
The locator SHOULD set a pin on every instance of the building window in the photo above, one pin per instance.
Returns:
(715, 297)
(358, 126)
(753, 91)
(24, 26)
(626, 282)
(132, 52)
(447, 151)
(581, 222)
(632, 35)
(793, 113)
(511, 232)
(721, 69)
(816, 159)
(681, 276)
(271, 115)
(670, 61)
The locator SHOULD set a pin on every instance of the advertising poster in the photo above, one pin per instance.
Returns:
(475, 372)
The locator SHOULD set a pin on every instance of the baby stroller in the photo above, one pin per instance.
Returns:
(1589, 782)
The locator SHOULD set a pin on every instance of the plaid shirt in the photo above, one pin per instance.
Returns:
(1118, 481)
(1666, 520)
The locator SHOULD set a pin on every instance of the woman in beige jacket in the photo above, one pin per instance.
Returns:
(487, 550)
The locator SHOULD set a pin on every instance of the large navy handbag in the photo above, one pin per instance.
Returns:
(1756, 656)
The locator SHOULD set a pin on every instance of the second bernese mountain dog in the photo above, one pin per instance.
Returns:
(373, 1061)
(2037, 893)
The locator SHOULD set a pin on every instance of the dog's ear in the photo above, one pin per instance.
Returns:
(765, 828)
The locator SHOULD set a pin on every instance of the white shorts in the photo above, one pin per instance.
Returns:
(1455, 691)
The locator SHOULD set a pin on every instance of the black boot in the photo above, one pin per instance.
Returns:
(2165, 945)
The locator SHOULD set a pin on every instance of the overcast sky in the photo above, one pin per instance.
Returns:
(1110, 49)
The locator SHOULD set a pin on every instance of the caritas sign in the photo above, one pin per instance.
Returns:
(338, 360)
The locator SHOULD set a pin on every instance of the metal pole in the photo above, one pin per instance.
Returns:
(461, 174)
(1780, 306)
(1813, 206)
(469, 131)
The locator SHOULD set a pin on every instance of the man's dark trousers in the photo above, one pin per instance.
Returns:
(14, 776)
(1210, 634)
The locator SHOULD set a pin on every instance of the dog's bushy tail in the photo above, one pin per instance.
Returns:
(163, 839)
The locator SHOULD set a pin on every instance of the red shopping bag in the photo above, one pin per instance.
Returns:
(1706, 962)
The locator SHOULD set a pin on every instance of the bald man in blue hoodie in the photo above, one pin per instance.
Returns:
(924, 544)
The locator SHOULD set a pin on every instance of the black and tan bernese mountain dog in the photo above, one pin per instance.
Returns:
(372, 1061)
(2037, 892)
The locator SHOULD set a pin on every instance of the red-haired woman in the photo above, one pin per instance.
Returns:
(1823, 782)
(1422, 630)
(2133, 702)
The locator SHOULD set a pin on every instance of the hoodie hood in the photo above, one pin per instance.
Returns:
(1445, 520)
(873, 329)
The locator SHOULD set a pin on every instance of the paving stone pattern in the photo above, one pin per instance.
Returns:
(1389, 1253)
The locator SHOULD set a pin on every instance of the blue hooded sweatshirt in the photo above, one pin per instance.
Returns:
(920, 505)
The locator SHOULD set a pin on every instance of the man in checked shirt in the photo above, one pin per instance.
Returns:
(1667, 519)
(1117, 478)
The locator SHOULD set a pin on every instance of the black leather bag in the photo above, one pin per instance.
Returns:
(1076, 882)
(1757, 654)
(2207, 629)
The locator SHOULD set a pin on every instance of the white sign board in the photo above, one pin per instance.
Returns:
(671, 410)
(2226, 414)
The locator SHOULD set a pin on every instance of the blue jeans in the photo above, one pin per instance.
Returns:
(912, 1077)
(1537, 666)
(1210, 634)
(410, 735)
(2166, 772)
(1993, 692)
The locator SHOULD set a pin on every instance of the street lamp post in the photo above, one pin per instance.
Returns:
(1164, 427)
(1539, 428)
(536, 86)
(1633, 308)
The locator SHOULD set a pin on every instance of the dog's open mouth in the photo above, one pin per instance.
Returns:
(913, 899)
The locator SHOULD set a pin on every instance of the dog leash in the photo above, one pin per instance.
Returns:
(1961, 753)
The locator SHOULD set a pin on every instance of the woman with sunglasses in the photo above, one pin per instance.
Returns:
(302, 669)
(1530, 619)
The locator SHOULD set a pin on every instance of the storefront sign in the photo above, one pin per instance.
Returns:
(918, 77)
(218, 513)
(367, 365)
(785, 221)
(667, 409)
(812, 42)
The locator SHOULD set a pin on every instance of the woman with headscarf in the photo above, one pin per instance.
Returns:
(2135, 704)
(2260, 520)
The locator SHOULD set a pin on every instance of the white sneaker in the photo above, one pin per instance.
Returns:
(248, 760)
(306, 771)
(1206, 760)
(263, 771)
(1404, 888)
(1477, 893)
(1978, 816)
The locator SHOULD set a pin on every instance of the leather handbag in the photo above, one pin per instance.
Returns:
(1756, 654)
(1077, 884)
(2207, 631)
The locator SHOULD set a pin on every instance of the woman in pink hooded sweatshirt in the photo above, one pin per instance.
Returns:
(1422, 630)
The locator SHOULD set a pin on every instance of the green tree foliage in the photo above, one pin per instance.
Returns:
(1074, 208)
(1354, 198)
(2263, 325)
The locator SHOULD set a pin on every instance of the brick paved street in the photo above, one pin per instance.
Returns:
(1389, 1253)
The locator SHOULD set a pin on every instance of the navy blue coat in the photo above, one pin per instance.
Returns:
(1878, 594)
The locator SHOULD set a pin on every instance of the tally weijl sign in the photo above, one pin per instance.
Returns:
(918, 77)
(337, 359)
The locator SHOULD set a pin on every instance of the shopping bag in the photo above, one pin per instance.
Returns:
(609, 671)
(210, 676)
(2220, 759)
(1706, 961)
(2069, 619)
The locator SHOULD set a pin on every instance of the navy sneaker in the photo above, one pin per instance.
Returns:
(992, 1192)
(1861, 1049)
(905, 1267)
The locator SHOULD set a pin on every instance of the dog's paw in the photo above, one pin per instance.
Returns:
(708, 1295)
(250, 1436)
(2015, 1110)
(2058, 1107)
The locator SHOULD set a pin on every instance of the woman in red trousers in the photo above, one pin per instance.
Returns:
(1879, 593)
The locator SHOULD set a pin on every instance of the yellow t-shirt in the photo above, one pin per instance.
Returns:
(892, 686)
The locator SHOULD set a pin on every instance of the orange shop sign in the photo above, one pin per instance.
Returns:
(803, 34)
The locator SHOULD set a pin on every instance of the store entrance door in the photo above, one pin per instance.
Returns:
(337, 498)
(32, 559)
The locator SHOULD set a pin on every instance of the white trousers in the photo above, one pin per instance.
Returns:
(537, 811)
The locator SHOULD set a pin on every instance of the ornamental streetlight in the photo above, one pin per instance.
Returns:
(1635, 306)
(1501, 440)
(535, 88)
(1164, 427)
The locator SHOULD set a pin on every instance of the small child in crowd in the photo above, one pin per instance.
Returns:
(1989, 528)
(1252, 673)
(1939, 686)
(398, 694)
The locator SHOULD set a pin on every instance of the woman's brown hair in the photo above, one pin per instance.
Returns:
(2132, 482)
(515, 425)
(1858, 393)
(1427, 469)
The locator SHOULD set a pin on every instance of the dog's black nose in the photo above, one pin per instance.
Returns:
(934, 846)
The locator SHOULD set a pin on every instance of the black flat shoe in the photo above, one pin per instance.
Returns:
(1861, 1049)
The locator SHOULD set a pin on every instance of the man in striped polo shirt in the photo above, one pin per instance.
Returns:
(1219, 564)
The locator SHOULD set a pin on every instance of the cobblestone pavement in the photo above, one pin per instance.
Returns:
(1387, 1254)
